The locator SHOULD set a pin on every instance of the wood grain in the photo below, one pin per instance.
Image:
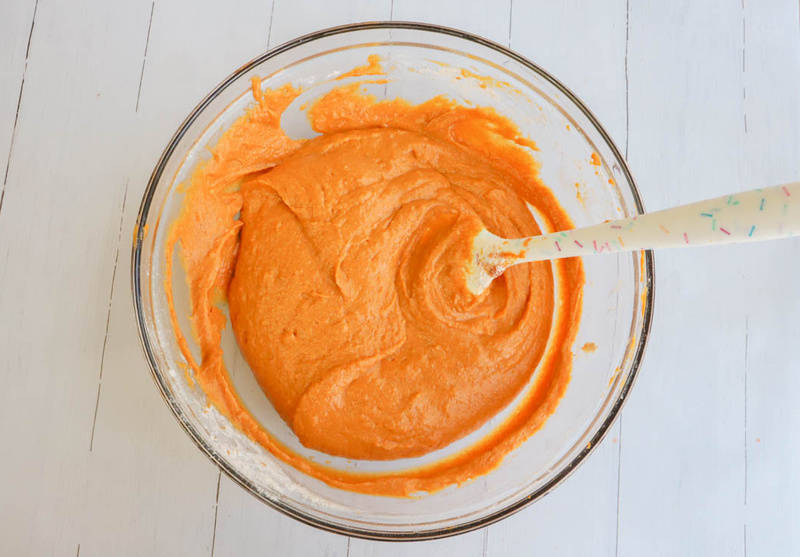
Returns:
(487, 19)
(58, 234)
(767, 283)
(682, 461)
(16, 28)
(171, 487)
(292, 18)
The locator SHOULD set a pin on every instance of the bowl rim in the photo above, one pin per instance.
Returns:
(365, 533)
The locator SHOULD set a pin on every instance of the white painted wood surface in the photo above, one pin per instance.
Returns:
(702, 95)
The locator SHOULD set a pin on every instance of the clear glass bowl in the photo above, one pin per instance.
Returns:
(421, 61)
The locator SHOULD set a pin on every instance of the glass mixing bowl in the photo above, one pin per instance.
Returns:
(421, 61)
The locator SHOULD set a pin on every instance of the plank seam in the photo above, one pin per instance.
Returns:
(627, 99)
(19, 104)
(619, 478)
(108, 314)
(744, 68)
(745, 540)
(271, 19)
(746, 366)
(144, 58)
(627, 144)
(216, 513)
(747, 317)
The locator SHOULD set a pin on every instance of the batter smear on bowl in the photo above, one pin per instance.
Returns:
(341, 259)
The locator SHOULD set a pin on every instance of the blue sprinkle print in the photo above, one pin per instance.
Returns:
(752, 228)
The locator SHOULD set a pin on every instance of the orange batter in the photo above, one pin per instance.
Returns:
(342, 260)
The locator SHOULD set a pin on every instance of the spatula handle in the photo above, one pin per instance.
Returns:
(760, 214)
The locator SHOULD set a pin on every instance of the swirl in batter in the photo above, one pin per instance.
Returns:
(342, 259)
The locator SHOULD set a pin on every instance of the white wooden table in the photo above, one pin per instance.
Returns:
(703, 95)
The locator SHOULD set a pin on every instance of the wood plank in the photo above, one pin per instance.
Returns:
(246, 526)
(180, 69)
(583, 46)
(466, 545)
(771, 68)
(578, 517)
(682, 465)
(58, 234)
(487, 19)
(293, 18)
(16, 28)
(168, 504)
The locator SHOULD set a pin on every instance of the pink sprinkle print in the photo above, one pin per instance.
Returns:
(616, 226)
(579, 244)
(725, 231)
(786, 191)
(557, 246)
(685, 237)
(594, 243)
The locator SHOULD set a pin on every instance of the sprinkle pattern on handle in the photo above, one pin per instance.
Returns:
(760, 214)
